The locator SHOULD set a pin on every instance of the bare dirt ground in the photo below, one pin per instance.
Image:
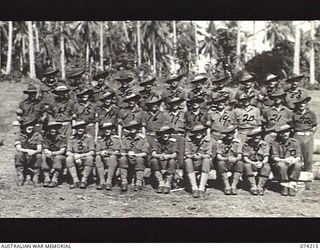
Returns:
(31, 202)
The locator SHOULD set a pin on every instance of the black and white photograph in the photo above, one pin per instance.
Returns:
(147, 118)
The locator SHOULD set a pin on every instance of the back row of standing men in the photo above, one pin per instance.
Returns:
(85, 124)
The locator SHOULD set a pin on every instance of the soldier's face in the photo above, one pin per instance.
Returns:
(221, 106)
(148, 87)
(85, 98)
(277, 100)
(229, 136)
(195, 105)
(294, 85)
(29, 129)
(107, 132)
(245, 102)
(165, 137)
(272, 84)
(155, 107)
(107, 102)
(284, 135)
(198, 86)
(257, 138)
(133, 131)
(100, 81)
(174, 84)
(80, 130)
(248, 85)
(76, 80)
(174, 106)
(132, 103)
(302, 105)
(198, 135)
(32, 96)
(53, 131)
(124, 85)
(51, 79)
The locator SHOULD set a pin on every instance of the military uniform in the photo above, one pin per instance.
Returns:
(137, 144)
(257, 152)
(198, 147)
(276, 116)
(159, 146)
(31, 109)
(25, 163)
(126, 115)
(195, 117)
(304, 123)
(46, 92)
(55, 162)
(86, 111)
(80, 145)
(112, 146)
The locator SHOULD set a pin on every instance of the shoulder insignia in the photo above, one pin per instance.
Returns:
(141, 136)
(207, 139)
(71, 137)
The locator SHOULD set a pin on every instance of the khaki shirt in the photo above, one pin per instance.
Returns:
(168, 147)
(290, 148)
(204, 146)
(81, 145)
(55, 144)
(110, 144)
(256, 152)
(137, 144)
(29, 142)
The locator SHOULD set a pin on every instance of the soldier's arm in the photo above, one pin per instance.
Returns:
(220, 157)
(61, 151)
(90, 153)
(246, 159)
(21, 149)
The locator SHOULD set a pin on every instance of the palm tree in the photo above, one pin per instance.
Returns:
(9, 55)
(296, 60)
(277, 31)
(62, 57)
(101, 24)
(31, 51)
(312, 58)
(238, 59)
(139, 42)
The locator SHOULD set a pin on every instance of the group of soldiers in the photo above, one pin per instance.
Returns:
(86, 128)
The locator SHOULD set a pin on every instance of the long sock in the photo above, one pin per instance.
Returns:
(203, 181)
(193, 181)
(55, 175)
(36, 175)
(236, 178)
(100, 172)
(46, 175)
(262, 181)
(225, 180)
(86, 172)
(73, 173)
(111, 171)
(252, 181)
(159, 178)
(124, 175)
(19, 170)
(169, 180)
(139, 177)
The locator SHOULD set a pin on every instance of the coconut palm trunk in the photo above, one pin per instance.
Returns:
(174, 26)
(62, 56)
(154, 54)
(36, 33)
(312, 60)
(254, 38)
(238, 55)
(9, 57)
(139, 42)
(101, 45)
(196, 43)
(296, 58)
(31, 51)
(87, 54)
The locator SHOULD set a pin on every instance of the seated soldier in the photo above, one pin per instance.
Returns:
(256, 154)
(107, 152)
(286, 153)
(229, 159)
(134, 149)
(198, 156)
(80, 152)
(28, 156)
(54, 149)
(163, 150)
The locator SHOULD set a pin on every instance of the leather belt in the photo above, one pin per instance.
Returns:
(151, 133)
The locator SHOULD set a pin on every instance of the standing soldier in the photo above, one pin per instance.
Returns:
(28, 156)
(154, 117)
(177, 120)
(134, 149)
(49, 83)
(219, 118)
(197, 91)
(131, 112)
(229, 159)
(256, 153)
(305, 125)
(246, 116)
(198, 156)
(277, 114)
(247, 82)
(163, 150)
(217, 91)
(265, 94)
(85, 109)
(101, 87)
(174, 90)
(286, 153)
(80, 153)
(54, 149)
(76, 82)
(294, 93)
(107, 152)
(147, 92)
(125, 89)
(31, 108)
(107, 111)
(62, 109)
(195, 114)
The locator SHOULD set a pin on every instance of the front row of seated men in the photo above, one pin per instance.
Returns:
(44, 157)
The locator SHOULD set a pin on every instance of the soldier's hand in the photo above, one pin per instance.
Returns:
(259, 164)
(77, 156)
(131, 154)
(197, 156)
(48, 153)
(232, 159)
(31, 152)
(105, 153)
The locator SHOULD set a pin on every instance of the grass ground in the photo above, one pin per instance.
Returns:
(31, 202)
